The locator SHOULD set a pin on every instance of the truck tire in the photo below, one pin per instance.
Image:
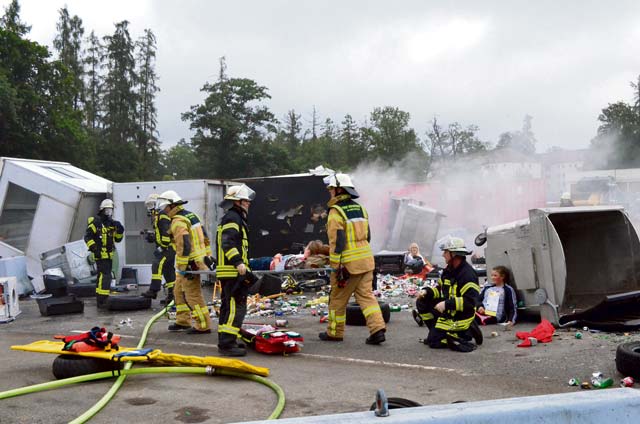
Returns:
(628, 359)
(66, 366)
(356, 317)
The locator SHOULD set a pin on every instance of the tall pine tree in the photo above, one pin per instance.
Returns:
(119, 159)
(147, 141)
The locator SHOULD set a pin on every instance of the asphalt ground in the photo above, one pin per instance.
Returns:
(325, 378)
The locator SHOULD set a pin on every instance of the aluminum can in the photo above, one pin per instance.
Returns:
(281, 323)
(574, 382)
(627, 382)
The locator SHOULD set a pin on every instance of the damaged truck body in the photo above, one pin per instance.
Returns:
(565, 261)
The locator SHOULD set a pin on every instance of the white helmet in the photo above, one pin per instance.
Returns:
(453, 245)
(565, 196)
(106, 204)
(167, 198)
(342, 181)
(150, 203)
(240, 192)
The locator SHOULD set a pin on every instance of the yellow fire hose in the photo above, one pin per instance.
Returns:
(122, 375)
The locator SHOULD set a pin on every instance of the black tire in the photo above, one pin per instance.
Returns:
(397, 403)
(66, 366)
(128, 303)
(356, 317)
(312, 285)
(628, 359)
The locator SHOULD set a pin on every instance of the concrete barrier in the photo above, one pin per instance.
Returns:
(619, 406)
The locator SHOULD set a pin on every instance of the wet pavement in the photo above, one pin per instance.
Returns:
(326, 377)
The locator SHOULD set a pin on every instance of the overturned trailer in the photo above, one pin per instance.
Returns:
(567, 260)
(203, 196)
(44, 205)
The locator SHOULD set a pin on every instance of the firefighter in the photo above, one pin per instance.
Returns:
(102, 233)
(449, 309)
(164, 255)
(233, 268)
(352, 258)
(191, 246)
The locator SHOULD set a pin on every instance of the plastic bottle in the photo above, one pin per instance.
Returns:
(603, 384)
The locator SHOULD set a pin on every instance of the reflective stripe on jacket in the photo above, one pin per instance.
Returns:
(162, 227)
(348, 233)
(460, 290)
(232, 243)
(101, 235)
(188, 238)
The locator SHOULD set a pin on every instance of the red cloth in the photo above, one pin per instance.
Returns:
(543, 332)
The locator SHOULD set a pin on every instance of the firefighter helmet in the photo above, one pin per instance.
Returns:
(240, 192)
(106, 204)
(169, 197)
(341, 181)
(150, 203)
(454, 245)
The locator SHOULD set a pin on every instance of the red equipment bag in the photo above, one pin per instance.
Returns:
(273, 342)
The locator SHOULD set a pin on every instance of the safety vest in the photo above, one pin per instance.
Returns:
(233, 229)
(356, 222)
(199, 242)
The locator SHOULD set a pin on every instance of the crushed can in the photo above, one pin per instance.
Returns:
(578, 335)
(574, 382)
(494, 334)
(627, 382)
(281, 323)
(585, 385)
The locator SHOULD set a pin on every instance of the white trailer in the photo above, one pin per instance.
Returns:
(44, 205)
(135, 252)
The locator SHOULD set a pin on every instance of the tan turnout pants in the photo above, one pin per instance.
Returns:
(360, 286)
(191, 308)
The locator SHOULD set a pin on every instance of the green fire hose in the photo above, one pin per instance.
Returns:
(152, 370)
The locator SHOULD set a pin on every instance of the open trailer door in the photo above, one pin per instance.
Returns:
(591, 256)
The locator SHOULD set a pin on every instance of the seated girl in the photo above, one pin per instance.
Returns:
(498, 300)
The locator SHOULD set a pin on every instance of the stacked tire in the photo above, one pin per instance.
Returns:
(628, 359)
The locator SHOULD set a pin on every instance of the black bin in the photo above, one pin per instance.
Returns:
(55, 285)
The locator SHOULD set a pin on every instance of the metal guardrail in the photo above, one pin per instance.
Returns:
(618, 406)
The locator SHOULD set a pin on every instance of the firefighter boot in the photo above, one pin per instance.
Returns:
(232, 350)
(376, 338)
(327, 338)
(151, 294)
(476, 333)
(169, 298)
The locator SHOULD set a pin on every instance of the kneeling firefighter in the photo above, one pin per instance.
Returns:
(351, 256)
(449, 309)
(191, 248)
(233, 268)
(164, 254)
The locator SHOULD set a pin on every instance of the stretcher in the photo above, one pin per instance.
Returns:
(153, 356)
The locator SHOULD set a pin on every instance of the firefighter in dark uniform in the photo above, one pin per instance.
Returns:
(233, 268)
(103, 232)
(449, 309)
(164, 255)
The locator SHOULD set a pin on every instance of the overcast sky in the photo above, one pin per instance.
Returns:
(486, 63)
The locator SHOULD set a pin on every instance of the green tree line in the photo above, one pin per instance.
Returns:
(92, 103)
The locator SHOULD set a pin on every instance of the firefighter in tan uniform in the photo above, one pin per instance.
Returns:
(352, 258)
(191, 247)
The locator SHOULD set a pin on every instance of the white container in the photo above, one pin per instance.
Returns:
(9, 307)
(44, 205)
(203, 197)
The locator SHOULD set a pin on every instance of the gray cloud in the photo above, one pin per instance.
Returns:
(486, 63)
